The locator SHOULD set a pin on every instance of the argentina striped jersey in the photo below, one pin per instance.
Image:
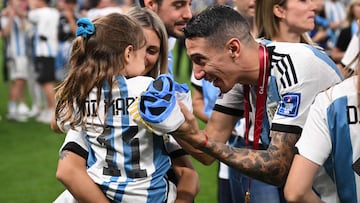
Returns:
(126, 161)
(331, 138)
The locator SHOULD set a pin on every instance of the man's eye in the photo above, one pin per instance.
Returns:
(152, 51)
(199, 62)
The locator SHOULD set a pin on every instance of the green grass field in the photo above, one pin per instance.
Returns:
(29, 154)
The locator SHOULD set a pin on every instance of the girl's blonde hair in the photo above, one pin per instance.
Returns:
(149, 19)
(94, 60)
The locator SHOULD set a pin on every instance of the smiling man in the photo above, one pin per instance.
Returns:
(288, 76)
(174, 14)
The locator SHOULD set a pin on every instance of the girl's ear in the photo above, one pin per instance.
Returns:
(128, 52)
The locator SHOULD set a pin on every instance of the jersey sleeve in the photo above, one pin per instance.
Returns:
(299, 81)
(231, 103)
(314, 143)
(173, 148)
(75, 141)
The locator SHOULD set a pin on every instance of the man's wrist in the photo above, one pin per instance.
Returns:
(205, 141)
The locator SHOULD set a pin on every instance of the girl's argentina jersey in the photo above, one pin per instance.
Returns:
(331, 138)
(128, 162)
(298, 73)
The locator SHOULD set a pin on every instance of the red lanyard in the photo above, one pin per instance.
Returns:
(261, 95)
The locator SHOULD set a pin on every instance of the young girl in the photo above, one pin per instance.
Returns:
(155, 62)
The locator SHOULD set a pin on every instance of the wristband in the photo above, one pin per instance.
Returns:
(204, 143)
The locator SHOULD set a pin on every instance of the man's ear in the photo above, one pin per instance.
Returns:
(233, 45)
(128, 52)
(151, 4)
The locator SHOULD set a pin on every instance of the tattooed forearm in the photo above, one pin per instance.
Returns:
(270, 166)
(63, 154)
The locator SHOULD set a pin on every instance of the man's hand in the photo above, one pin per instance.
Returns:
(189, 136)
(189, 129)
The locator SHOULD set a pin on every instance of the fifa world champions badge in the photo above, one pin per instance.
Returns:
(289, 105)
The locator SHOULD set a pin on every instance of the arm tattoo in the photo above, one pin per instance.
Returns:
(270, 166)
(63, 154)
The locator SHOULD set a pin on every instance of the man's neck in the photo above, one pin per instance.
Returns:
(249, 62)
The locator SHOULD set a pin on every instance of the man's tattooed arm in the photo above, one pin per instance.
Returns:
(270, 166)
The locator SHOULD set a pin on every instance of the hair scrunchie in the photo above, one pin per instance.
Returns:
(85, 28)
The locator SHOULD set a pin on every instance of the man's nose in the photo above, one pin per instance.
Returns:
(198, 72)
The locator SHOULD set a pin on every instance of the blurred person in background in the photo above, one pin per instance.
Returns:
(335, 13)
(322, 31)
(14, 30)
(247, 9)
(66, 34)
(289, 22)
(45, 21)
(350, 28)
(175, 15)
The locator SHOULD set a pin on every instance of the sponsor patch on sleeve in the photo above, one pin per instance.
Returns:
(289, 105)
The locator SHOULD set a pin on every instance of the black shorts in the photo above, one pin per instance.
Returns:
(45, 69)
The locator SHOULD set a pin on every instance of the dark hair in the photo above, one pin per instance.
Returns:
(218, 23)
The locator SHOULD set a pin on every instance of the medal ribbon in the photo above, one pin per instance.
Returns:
(261, 95)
